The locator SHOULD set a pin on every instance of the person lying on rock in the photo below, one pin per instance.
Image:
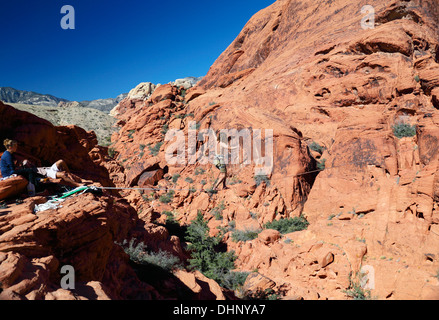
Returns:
(60, 170)
(7, 166)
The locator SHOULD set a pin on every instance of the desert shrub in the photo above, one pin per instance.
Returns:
(165, 129)
(356, 291)
(163, 259)
(170, 217)
(204, 254)
(288, 225)
(217, 212)
(189, 180)
(130, 133)
(139, 254)
(234, 279)
(262, 177)
(321, 164)
(199, 171)
(402, 129)
(175, 177)
(147, 198)
(166, 198)
(234, 180)
(316, 147)
(111, 152)
(107, 141)
(245, 235)
(211, 191)
(155, 150)
(134, 251)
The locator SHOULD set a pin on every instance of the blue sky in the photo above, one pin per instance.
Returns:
(115, 44)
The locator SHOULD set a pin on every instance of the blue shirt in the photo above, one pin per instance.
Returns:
(7, 164)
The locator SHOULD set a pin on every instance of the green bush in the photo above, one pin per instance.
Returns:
(288, 225)
(140, 255)
(204, 255)
(130, 133)
(217, 212)
(111, 152)
(245, 235)
(175, 177)
(401, 130)
(165, 129)
(321, 164)
(166, 198)
(262, 177)
(356, 291)
(162, 259)
(211, 191)
(234, 180)
(233, 280)
(155, 150)
(316, 147)
(170, 216)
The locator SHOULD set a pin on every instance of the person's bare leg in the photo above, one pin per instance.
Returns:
(224, 181)
(62, 166)
(221, 179)
(69, 179)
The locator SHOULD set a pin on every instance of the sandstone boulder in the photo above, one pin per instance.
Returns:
(269, 236)
(12, 187)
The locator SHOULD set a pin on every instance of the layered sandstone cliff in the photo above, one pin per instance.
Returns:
(308, 71)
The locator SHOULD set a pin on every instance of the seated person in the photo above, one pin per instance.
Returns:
(7, 166)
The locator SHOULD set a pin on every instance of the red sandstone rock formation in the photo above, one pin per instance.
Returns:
(85, 231)
(309, 71)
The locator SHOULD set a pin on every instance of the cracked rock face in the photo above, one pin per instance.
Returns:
(309, 71)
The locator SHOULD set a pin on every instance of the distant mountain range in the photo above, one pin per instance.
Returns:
(11, 95)
(89, 115)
